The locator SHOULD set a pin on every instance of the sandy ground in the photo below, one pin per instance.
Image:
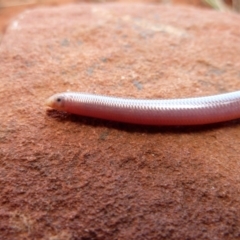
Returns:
(71, 177)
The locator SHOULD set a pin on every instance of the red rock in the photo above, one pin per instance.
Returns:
(69, 177)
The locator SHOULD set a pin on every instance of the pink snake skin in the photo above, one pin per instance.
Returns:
(183, 111)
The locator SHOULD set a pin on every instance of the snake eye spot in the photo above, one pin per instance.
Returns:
(59, 99)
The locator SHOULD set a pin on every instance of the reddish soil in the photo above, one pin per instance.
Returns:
(10, 8)
(71, 177)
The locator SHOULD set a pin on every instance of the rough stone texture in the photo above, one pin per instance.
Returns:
(8, 10)
(70, 177)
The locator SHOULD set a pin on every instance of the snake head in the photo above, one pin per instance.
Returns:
(56, 102)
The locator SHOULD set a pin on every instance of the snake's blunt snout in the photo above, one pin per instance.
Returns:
(56, 101)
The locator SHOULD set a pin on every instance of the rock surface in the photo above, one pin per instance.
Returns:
(71, 177)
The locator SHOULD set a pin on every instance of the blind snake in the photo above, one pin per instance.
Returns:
(183, 111)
